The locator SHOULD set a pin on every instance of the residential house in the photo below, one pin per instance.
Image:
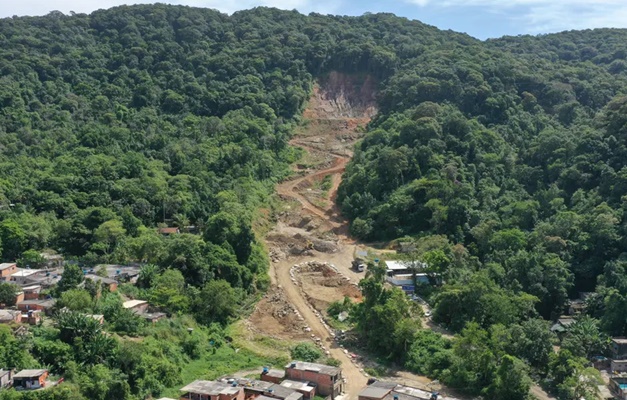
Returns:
(121, 273)
(212, 390)
(272, 375)
(382, 390)
(137, 306)
(169, 231)
(45, 305)
(43, 278)
(31, 292)
(252, 387)
(22, 276)
(110, 284)
(618, 348)
(6, 270)
(6, 376)
(328, 380)
(32, 317)
(10, 316)
(562, 325)
(377, 390)
(52, 260)
(308, 391)
(30, 379)
(153, 317)
(404, 275)
(279, 392)
(576, 307)
(618, 386)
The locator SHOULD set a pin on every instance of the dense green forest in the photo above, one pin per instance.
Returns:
(502, 159)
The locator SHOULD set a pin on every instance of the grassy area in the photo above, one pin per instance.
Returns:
(326, 183)
(228, 359)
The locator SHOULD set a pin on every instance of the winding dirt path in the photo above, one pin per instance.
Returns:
(289, 189)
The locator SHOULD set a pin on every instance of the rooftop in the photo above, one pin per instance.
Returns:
(566, 321)
(619, 340)
(400, 265)
(297, 385)
(4, 266)
(294, 396)
(30, 373)
(282, 392)
(252, 384)
(8, 315)
(43, 302)
(319, 368)
(375, 392)
(135, 303)
(262, 397)
(276, 373)
(413, 392)
(384, 384)
(31, 287)
(211, 388)
(97, 278)
(24, 273)
(169, 230)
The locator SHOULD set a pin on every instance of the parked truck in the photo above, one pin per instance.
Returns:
(359, 265)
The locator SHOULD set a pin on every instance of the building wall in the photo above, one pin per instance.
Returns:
(239, 396)
(140, 308)
(619, 365)
(31, 295)
(5, 380)
(27, 307)
(268, 378)
(619, 350)
(325, 384)
(19, 297)
(8, 271)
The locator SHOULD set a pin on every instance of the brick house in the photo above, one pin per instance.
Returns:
(6, 270)
(327, 380)
(45, 305)
(31, 292)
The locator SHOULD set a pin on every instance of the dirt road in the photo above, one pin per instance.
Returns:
(289, 188)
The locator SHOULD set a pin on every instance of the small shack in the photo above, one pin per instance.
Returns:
(5, 377)
(137, 306)
(28, 379)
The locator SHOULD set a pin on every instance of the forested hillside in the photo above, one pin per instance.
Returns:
(504, 162)
(503, 159)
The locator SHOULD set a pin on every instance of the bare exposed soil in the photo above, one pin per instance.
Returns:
(310, 250)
